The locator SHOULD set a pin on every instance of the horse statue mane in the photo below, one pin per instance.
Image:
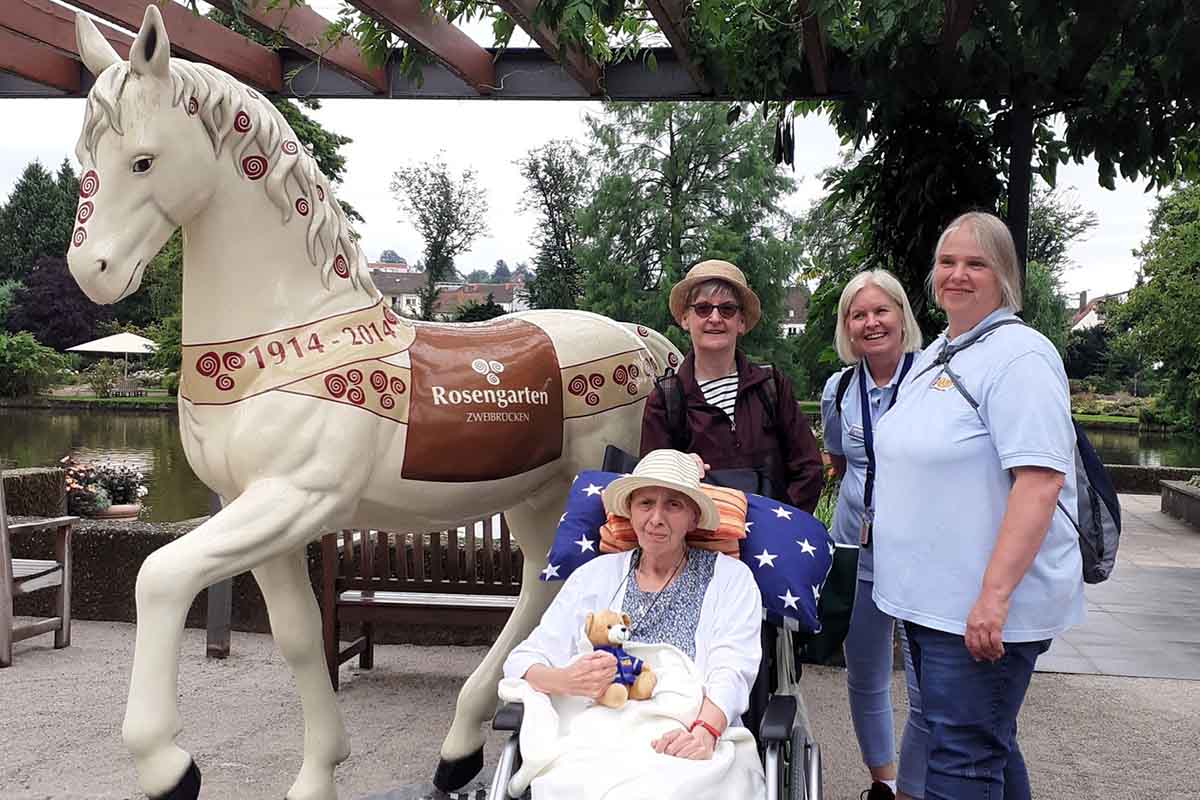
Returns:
(270, 152)
(306, 403)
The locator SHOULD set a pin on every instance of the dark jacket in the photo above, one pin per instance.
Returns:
(789, 449)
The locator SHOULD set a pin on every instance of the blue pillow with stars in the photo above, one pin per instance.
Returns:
(788, 551)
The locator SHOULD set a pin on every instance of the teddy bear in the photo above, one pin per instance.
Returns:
(608, 630)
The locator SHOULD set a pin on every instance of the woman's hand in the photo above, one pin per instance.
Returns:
(589, 676)
(704, 468)
(985, 624)
(697, 745)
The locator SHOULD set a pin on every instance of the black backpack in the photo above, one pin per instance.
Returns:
(1097, 520)
(757, 481)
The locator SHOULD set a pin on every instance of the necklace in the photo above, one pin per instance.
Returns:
(636, 560)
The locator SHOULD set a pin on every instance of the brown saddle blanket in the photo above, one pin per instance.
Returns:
(486, 402)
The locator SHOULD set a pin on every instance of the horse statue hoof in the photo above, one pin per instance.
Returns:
(453, 774)
(188, 787)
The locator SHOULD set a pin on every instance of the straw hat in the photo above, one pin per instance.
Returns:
(670, 469)
(723, 270)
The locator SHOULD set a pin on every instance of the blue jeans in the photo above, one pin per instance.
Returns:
(971, 710)
(868, 652)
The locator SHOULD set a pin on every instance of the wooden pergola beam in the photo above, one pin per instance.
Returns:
(303, 29)
(578, 65)
(814, 46)
(198, 38)
(38, 63)
(957, 19)
(671, 16)
(54, 25)
(432, 34)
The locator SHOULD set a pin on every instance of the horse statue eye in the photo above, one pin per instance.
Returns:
(142, 165)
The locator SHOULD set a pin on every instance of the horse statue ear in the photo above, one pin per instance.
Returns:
(97, 54)
(150, 55)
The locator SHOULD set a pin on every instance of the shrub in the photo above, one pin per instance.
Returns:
(1159, 413)
(103, 376)
(27, 367)
(170, 382)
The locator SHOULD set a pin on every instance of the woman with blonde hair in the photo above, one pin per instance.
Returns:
(971, 551)
(877, 335)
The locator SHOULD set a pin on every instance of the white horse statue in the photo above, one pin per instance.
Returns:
(305, 403)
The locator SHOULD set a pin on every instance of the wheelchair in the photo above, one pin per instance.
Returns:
(777, 715)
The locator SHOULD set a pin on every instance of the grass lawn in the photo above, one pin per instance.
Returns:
(151, 400)
(1104, 419)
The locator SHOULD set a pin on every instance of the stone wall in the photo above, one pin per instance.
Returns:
(1181, 501)
(108, 554)
(35, 491)
(1145, 480)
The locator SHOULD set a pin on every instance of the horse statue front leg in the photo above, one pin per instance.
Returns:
(271, 519)
(532, 524)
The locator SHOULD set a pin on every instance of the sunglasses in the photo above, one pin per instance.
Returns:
(728, 310)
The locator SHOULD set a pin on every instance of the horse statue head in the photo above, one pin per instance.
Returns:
(162, 138)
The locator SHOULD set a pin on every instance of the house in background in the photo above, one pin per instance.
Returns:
(795, 311)
(506, 295)
(1091, 312)
(399, 288)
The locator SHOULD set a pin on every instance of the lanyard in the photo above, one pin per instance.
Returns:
(869, 441)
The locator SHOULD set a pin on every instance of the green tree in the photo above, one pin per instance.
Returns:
(53, 308)
(1043, 307)
(161, 293)
(1055, 223)
(8, 290)
(478, 312)
(449, 213)
(557, 176)
(36, 221)
(677, 184)
(479, 276)
(1158, 322)
(390, 257)
(27, 367)
(501, 273)
(1087, 352)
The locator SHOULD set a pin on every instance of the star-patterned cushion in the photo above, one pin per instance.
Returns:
(788, 551)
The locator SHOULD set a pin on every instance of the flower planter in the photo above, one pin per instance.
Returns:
(119, 511)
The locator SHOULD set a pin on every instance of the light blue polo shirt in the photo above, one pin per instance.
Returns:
(844, 437)
(943, 484)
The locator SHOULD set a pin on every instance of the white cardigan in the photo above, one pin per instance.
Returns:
(728, 644)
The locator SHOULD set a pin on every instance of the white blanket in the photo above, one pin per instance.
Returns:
(574, 750)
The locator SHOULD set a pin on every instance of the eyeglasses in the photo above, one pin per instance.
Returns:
(704, 310)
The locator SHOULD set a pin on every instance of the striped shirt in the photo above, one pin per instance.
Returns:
(722, 393)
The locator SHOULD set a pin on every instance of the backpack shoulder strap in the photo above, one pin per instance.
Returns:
(842, 386)
(673, 402)
(769, 394)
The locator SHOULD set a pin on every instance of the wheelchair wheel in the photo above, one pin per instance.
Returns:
(804, 766)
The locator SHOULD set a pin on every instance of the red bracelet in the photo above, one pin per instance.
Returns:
(699, 723)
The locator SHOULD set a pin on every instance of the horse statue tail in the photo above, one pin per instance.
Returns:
(665, 353)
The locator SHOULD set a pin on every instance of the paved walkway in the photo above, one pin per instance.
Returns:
(1083, 735)
(1145, 620)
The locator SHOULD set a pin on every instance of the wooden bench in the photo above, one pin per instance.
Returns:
(19, 576)
(470, 575)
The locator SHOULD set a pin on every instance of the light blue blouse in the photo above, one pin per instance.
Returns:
(943, 484)
(843, 436)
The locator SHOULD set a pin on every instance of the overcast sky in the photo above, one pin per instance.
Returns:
(489, 136)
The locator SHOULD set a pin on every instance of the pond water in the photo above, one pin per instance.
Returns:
(150, 442)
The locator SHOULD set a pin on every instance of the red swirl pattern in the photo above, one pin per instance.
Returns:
(389, 316)
(642, 331)
(79, 237)
(241, 123)
(620, 374)
(632, 388)
(85, 211)
(379, 381)
(592, 399)
(224, 382)
(672, 359)
(355, 376)
(335, 384)
(578, 386)
(302, 206)
(193, 105)
(355, 395)
(233, 361)
(596, 380)
(398, 386)
(387, 402)
(341, 267)
(634, 372)
(320, 194)
(89, 184)
(208, 364)
(289, 148)
(254, 167)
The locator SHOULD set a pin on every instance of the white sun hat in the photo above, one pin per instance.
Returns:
(666, 468)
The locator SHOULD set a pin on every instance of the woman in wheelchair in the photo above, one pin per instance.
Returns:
(702, 604)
